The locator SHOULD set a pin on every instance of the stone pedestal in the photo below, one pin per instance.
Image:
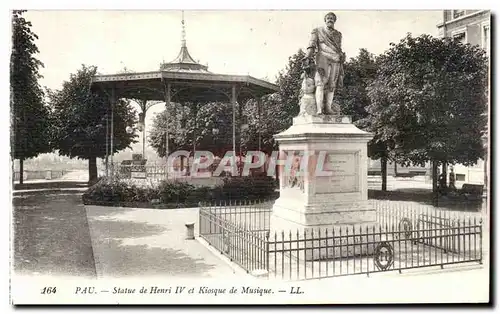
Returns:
(329, 191)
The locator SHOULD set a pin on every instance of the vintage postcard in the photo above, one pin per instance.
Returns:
(250, 157)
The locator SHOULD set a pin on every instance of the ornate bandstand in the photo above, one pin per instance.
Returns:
(181, 81)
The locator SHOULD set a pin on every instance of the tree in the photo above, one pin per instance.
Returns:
(194, 126)
(354, 100)
(145, 105)
(277, 110)
(214, 128)
(80, 116)
(359, 73)
(255, 132)
(177, 135)
(30, 133)
(380, 146)
(289, 82)
(429, 100)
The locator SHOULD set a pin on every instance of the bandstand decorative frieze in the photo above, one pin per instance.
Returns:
(125, 77)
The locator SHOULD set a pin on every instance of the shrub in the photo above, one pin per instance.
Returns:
(174, 191)
(201, 194)
(250, 187)
(108, 190)
(117, 191)
(144, 194)
(95, 181)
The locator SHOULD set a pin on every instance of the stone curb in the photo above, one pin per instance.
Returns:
(236, 269)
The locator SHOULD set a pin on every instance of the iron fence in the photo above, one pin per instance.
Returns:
(158, 172)
(402, 238)
(238, 230)
(343, 251)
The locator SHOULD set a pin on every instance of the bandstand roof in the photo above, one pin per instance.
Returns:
(189, 81)
(186, 86)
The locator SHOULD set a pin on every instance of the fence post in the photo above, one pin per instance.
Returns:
(267, 253)
(200, 209)
(222, 249)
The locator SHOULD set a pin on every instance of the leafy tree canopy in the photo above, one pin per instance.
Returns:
(429, 100)
(30, 117)
(359, 73)
(80, 118)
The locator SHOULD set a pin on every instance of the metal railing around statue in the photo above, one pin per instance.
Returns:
(402, 238)
(238, 230)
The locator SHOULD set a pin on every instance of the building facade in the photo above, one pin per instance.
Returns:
(472, 27)
(468, 26)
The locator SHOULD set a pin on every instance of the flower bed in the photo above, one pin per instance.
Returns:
(176, 194)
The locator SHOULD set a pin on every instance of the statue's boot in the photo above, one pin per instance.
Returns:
(329, 105)
(329, 111)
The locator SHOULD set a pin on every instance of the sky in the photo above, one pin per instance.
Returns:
(257, 43)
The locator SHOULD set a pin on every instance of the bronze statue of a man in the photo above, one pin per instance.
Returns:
(325, 47)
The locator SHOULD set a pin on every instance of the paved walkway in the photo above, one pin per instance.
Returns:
(150, 243)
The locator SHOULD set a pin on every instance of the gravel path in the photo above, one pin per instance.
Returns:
(143, 243)
(51, 234)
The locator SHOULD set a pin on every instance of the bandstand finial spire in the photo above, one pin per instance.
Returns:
(184, 62)
(183, 31)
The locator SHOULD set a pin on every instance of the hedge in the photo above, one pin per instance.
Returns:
(174, 194)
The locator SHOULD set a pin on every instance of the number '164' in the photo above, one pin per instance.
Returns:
(49, 290)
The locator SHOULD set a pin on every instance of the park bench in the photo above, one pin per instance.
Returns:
(411, 173)
(405, 175)
(471, 191)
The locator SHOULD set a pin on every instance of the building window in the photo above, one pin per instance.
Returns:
(460, 177)
(457, 13)
(461, 37)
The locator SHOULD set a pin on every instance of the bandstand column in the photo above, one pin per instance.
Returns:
(112, 130)
(168, 88)
(107, 140)
(144, 110)
(258, 121)
(233, 102)
(240, 128)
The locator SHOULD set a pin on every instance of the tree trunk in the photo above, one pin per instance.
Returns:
(434, 176)
(383, 168)
(107, 165)
(13, 169)
(485, 168)
(21, 171)
(435, 194)
(444, 166)
(92, 169)
(395, 169)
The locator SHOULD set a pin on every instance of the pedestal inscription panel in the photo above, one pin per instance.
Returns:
(344, 173)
